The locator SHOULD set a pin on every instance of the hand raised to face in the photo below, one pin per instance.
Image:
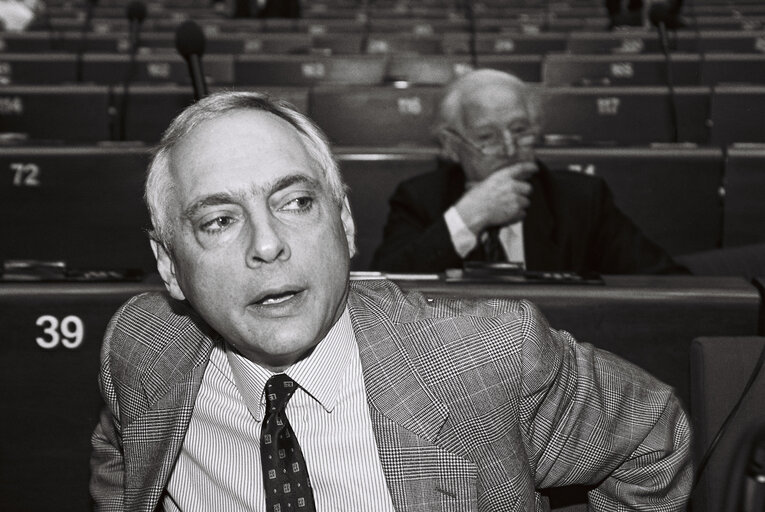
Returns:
(498, 200)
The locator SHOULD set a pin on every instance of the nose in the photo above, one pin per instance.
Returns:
(266, 243)
(509, 142)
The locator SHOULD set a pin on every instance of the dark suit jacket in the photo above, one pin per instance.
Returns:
(473, 405)
(571, 225)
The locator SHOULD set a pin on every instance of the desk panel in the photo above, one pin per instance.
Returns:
(567, 69)
(82, 206)
(737, 114)
(61, 113)
(375, 116)
(625, 115)
(308, 70)
(49, 388)
(672, 194)
(442, 69)
(744, 214)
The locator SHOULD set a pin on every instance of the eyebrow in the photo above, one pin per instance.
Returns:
(266, 190)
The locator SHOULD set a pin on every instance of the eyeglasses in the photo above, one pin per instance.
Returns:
(496, 141)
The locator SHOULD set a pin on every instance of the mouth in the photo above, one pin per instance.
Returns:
(275, 298)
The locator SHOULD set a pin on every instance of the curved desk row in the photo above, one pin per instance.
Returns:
(52, 334)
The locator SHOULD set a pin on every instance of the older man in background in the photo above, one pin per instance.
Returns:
(492, 200)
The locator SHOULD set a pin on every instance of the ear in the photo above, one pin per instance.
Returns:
(349, 226)
(166, 268)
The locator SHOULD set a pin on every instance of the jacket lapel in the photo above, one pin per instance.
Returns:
(407, 420)
(153, 441)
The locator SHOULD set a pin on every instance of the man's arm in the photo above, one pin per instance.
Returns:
(107, 465)
(591, 418)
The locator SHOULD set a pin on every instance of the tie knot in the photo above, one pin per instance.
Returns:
(279, 389)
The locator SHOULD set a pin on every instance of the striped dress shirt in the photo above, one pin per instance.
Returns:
(219, 466)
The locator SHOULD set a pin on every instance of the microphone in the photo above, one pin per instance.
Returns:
(662, 16)
(89, 7)
(190, 43)
(136, 13)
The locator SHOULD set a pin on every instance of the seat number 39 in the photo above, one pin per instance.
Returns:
(68, 332)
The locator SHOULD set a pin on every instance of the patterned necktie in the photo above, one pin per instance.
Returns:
(285, 476)
(492, 247)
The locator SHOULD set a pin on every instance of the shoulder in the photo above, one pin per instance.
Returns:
(151, 327)
(452, 344)
(444, 319)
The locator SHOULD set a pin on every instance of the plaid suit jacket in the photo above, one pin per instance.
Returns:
(474, 405)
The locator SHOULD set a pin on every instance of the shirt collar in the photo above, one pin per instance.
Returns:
(321, 374)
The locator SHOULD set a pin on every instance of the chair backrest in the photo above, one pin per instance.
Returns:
(720, 369)
(71, 113)
(620, 115)
(372, 179)
(738, 114)
(375, 116)
(564, 69)
(744, 212)
(82, 206)
(671, 193)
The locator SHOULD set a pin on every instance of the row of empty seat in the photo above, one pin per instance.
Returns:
(83, 205)
(447, 43)
(297, 70)
(388, 116)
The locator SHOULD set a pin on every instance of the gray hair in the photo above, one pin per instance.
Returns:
(449, 113)
(159, 182)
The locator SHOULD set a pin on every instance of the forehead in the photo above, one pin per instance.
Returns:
(239, 149)
(493, 104)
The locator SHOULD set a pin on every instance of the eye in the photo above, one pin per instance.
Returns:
(299, 204)
(217, 224)
(520, 130)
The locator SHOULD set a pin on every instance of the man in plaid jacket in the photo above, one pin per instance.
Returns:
(464, 404)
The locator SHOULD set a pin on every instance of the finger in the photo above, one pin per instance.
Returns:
(522, 170)
(522, 188)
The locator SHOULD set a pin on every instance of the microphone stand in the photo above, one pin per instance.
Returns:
(84, 38)
(367, 26)
(470, 15)
(662, 28)
(136, 14)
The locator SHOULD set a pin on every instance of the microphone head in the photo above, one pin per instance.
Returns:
(659, 13)
(136, 11)
(189, 39)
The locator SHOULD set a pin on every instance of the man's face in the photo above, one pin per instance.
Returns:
(260, 249)
(493, 116)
